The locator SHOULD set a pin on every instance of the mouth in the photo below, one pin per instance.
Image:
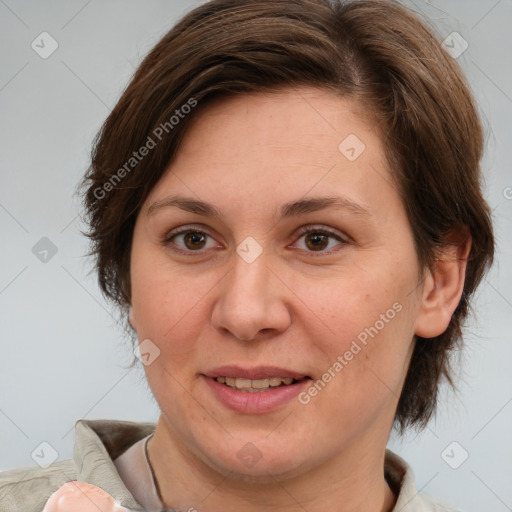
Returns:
(257, 385)
(256, 390)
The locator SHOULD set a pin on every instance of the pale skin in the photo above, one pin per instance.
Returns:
(295, 306)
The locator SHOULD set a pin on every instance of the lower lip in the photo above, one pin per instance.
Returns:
(258, 402)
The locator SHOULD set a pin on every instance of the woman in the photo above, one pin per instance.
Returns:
(286, 204)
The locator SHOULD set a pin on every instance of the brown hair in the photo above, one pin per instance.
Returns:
(374, 51)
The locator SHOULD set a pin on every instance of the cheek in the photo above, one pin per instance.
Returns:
(354, 305)
(364, 334)
(362, 377)
(167, 306)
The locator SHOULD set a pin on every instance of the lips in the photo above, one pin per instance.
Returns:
(254, 399)
(257, 390)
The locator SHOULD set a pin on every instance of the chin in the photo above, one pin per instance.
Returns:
(253, 466)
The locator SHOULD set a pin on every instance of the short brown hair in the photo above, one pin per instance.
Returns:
(377, 52)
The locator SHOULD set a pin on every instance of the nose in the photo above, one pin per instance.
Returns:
(253, 302)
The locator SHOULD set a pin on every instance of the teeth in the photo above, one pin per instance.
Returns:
(260, 383)
(243, 383)
(257, 384)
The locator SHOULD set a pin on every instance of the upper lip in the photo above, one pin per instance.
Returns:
(258, 372)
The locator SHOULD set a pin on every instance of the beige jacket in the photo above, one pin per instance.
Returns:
(99, 442)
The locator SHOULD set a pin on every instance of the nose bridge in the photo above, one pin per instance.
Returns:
(249, 299)
(249, 282)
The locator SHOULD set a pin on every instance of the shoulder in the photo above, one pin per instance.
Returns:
(400, 477)
(28, 489)
(420, 502)
(97, 444)
(428, 504)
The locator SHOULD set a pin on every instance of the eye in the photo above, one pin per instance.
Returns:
(316, 239)
(188, 240)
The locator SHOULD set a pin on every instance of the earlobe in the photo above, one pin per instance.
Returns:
(443, 286)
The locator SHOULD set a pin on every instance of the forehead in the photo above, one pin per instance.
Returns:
(275, 148)
(304, 110)
(292, 128)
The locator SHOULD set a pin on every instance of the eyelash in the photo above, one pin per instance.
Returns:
(302, 231)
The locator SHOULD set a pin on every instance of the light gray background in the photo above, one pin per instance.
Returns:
(62, 355)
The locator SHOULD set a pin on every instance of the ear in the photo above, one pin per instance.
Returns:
(443, 286)
(131, 319)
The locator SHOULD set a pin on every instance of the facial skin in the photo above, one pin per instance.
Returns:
(294, 306)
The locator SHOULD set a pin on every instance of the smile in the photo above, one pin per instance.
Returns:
(256, 385)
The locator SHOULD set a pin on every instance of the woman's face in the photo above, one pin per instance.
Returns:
(250, 290)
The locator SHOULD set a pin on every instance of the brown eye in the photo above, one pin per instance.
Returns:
(188, 241)
(194, 240)
(317, 241)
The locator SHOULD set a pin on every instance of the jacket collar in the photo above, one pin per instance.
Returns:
(97, 444)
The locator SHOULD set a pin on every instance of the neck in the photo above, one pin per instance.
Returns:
(347, 482)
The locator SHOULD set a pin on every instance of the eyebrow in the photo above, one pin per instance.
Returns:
(292, 209)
